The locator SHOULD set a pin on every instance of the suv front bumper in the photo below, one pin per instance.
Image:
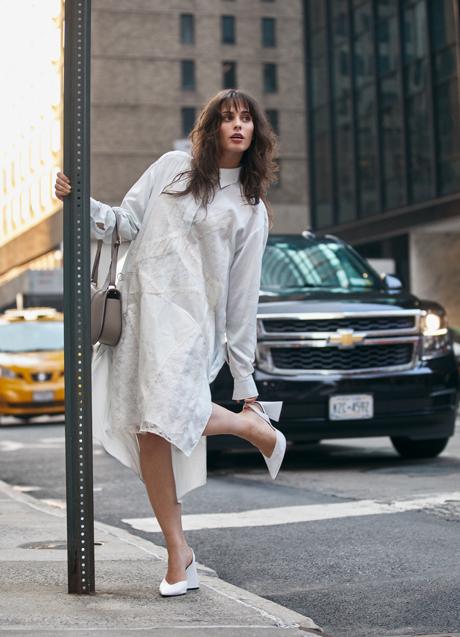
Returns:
(420, 403)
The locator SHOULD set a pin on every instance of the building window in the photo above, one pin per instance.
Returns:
(187, 28)
(228, 29)
(188, 75)
(268, 32)
(188, 120)
(270, 78)
(229, 74)
(272, 116)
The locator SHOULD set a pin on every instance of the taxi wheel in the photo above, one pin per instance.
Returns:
(408, 448)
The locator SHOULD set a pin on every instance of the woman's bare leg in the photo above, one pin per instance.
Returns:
(157, 471)
(244, 424)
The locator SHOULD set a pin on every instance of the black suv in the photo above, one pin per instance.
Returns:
(350, 352)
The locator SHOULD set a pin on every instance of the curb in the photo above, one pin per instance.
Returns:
(281, 616)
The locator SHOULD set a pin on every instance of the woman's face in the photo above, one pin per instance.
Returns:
(236, 131)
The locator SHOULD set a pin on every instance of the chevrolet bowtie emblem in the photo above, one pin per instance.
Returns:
(346, 338)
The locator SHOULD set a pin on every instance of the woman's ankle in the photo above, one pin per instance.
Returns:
(177, 547)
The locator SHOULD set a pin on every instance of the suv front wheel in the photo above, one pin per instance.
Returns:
(408, 448)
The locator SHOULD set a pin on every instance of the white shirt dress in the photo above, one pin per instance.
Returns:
(190, 283)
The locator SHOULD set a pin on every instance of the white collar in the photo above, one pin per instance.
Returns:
(229, 176)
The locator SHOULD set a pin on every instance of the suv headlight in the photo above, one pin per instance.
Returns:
(437, 339)
(7, 373)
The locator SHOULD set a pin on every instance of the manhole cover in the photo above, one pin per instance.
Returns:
(50, 544)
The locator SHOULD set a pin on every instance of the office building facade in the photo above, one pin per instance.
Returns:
(154, 65)
(383, 127)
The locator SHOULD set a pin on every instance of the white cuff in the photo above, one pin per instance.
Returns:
(244, 388)
(101, 213)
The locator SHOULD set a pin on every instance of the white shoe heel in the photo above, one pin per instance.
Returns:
(192, 576)
(272, 410)
(181, 587)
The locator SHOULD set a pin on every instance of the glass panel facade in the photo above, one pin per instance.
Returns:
(344, 165)
(366, 123)
(392, 146)
(420, 165)
(390, 111)
(321, 160)
(342, 109)
(445, 96)
(383, 105)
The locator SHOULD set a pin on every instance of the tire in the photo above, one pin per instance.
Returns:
(408, 448)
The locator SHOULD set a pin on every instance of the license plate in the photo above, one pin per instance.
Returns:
(43, 396)
(351, 407)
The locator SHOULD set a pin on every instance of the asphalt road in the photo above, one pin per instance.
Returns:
(365, 543)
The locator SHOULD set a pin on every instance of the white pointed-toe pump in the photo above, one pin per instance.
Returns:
(272, 410)
(181, 587)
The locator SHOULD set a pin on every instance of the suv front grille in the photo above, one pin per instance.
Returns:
(346, 342)
(332, 358)
(358, 323)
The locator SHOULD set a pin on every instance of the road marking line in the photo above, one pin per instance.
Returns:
(291, 514)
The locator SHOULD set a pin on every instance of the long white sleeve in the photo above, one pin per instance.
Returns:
(242, 304)
(131, 211)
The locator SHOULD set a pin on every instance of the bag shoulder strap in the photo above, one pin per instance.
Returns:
(110, 279)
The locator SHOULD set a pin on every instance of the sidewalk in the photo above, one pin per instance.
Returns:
(34, 598)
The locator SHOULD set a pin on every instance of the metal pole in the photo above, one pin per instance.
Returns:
(77, 342)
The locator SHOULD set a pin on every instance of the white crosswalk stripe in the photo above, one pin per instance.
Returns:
(302, 513)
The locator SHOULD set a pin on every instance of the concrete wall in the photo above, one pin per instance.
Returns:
(435, 269)
(137, 98)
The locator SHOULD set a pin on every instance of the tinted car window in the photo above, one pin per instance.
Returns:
(298, 262)
(32, 336)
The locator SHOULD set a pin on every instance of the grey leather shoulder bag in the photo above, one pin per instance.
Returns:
(106, 303)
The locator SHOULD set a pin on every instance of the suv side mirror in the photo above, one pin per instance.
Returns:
(391, 281)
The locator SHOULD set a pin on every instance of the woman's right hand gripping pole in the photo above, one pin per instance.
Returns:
(62, 186)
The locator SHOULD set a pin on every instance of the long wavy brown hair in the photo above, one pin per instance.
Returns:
(258, 168)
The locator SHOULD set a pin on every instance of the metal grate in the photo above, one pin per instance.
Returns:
(328, 358)
(360, 323)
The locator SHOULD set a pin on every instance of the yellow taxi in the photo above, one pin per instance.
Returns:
(31, 362)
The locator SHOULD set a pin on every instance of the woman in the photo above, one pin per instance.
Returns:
(190, 287)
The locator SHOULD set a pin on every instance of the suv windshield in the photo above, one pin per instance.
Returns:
(297, 262)
(32, 336)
